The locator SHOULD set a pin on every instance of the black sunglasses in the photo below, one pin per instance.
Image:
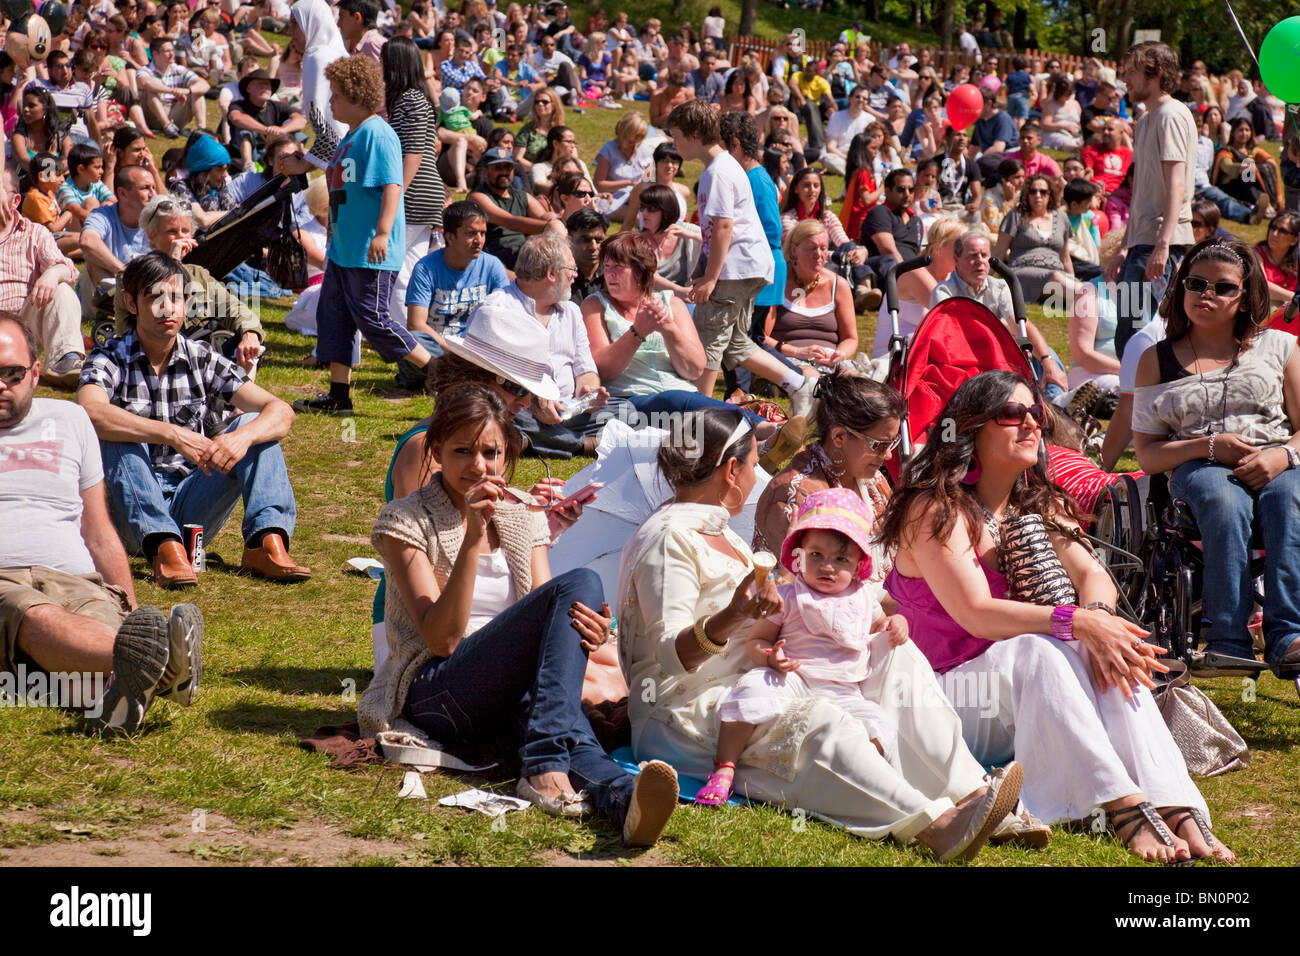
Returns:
(585, 194)
(1224, 290)
(512, 387)
(1013, 413)
(13, 374)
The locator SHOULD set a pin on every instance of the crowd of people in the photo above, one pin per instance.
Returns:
(540, 292)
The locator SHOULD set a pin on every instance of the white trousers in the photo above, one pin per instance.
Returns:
(840, 777)
(417, 247)
(57, 325)
(1034, 696)
(762, 694)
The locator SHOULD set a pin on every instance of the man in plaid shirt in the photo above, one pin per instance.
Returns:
(158, 402)
(172, 93)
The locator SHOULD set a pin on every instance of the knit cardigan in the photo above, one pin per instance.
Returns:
(427, 519)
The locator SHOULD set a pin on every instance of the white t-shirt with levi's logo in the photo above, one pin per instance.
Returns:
(46, 461)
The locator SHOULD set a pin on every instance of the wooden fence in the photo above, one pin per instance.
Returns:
(764, 51)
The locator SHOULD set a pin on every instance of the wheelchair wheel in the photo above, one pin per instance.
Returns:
(102, 331)
(1121, 526)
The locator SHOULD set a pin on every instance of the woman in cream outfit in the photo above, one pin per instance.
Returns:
(685, 565)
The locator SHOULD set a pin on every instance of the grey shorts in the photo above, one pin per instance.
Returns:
(723, 322)
(22, 589)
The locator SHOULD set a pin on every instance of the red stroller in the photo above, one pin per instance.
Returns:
(957, 340)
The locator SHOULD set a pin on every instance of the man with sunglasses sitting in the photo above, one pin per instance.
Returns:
(67, 602)
(891, 232)
(35, 286)
(512, 214)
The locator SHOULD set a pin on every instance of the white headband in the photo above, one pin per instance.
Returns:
(742, 427)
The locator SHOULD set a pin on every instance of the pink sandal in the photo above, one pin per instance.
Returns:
(717, 789)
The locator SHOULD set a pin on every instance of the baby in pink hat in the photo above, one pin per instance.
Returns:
(818, 645)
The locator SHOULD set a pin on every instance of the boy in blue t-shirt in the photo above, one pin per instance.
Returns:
(449, 283)
(1019, 83)
(367, 236)
(84, 191)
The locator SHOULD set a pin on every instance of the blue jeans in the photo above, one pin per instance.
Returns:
(247, 282)
(143, 502)
(1225, 511)
(565, 439)
(409, 375)
(684, 401)
(1134, 300)
(1050, 391)
(519, 679)
(1229, 207)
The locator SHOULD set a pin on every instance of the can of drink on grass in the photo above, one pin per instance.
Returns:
(193, 534)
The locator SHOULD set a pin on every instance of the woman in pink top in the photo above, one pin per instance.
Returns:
(1075, 707)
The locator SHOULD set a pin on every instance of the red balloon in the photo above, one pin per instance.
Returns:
(965, 103)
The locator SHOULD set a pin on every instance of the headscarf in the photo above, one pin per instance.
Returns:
(323, 45)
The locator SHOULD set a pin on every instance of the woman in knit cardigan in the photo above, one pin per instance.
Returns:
(485, 647)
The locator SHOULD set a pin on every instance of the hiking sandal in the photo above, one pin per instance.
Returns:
(717, 789)
(1143, 814)
(1178, 816)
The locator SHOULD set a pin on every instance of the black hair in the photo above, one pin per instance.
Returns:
(935, 474)
(772, 163)
(1008, 168)
(894, 175)
(368, 9)
(82, 154)
(403, 70)
(664, 201)
(585, 219)
(666, 150)
(553, 136)
(1078, 190)
(687, 461)
(740, 126)
(926, 164)
(144, 273)
(459, 214)
(1255, 307)
(855, 402)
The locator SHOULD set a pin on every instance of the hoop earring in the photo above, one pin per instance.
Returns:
(973, 471)
(729, 491)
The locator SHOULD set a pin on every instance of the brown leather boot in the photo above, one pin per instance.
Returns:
(272, 561)
(171, 567)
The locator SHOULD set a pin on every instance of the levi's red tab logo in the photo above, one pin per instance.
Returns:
(31, 456)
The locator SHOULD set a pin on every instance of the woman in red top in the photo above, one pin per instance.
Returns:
(1278, 254)
(862, 191)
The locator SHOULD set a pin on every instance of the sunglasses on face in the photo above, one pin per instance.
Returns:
(585, 194)
(1013, 413)
(1285, 232)
(877, 446)
(13, 374)
(1224, 290)
(1037, 192)
(514, 388)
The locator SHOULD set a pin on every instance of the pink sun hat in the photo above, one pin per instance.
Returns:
(835, 509)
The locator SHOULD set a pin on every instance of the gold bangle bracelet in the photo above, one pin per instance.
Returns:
(702, 638)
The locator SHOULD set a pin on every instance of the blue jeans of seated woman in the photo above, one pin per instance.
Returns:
(1225, 510)
(519, 678)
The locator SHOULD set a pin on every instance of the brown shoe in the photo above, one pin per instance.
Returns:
(171, 568)
(272, 561)
(784, 444)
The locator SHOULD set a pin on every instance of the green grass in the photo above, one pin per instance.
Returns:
(224, 781)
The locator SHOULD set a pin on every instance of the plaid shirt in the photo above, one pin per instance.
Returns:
(178, 76)
(195, 390)
(457, 76)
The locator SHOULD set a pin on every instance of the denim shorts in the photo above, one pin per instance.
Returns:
(1018, 105)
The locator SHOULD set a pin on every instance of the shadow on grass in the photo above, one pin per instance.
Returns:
(304, 680)
(274, 719)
